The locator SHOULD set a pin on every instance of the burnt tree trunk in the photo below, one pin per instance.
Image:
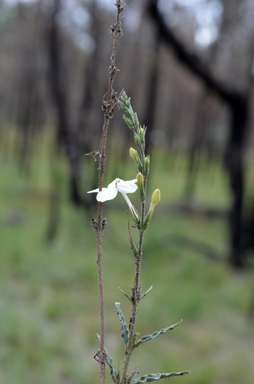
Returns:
(235, 166)
(87, 121)
(237, 103)
(152, 88)
(59, 93)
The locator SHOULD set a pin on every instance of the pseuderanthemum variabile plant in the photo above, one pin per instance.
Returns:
(141, 221)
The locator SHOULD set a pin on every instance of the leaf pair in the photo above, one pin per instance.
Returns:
(144, 339)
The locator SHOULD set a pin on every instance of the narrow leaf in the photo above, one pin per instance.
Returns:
(128, 121)
(125, 294)
(144, 294)
(124, 329)
(108, 360)
(157, 376)
(154, 335)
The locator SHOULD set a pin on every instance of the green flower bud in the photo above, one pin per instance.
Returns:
(136, 119)
(156, 196)
(133, 154)
(147, 164)
(142, 135)
(128, 101)
(137, 139)
(128, 121)
(140, 179)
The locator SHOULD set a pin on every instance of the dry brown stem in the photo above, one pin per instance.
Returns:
(108, 106)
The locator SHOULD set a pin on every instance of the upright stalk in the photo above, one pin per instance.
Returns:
(141, 222)
(136, 293)
(136, 290)
(108, 106)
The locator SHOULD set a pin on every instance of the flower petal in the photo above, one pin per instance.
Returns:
(127, 186)
(106, 194)
(95, 190)
(113, 184)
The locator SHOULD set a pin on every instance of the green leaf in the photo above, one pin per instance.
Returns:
(157, 376)
(124, 329)
(154, 335)
(128, 121)
(136, 119)
(121, 104)
(144, 294)
(109, 361)
(125, 294)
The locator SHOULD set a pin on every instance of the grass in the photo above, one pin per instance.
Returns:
(48, 293)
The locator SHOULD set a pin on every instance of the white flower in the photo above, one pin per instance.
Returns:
(113, 188)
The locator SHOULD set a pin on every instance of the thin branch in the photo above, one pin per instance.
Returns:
(108, 106)
(227, 92)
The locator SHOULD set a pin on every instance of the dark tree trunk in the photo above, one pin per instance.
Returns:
(54, 198)
(152, 88)
(59, 93)
(195, 144)
(25, 110)
(235, 166)
(86, 133)
(237, 103)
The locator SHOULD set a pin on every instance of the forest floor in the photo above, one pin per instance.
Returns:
(49, 292)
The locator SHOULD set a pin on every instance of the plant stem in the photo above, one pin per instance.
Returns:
(108, 108)
(101, 299)
(136, 293)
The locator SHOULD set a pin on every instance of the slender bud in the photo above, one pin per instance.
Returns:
(136, 119)
(156, 196)
(140, 179)
(147, 165)
(127, 121)
(128, 101)
(124, 96)
(137, 139)
(134, 155)
(142, 135)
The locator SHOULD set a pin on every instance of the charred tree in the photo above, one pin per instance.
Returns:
(59, 92)
(54, 198)
(237, 103)
(152, 88)
(27, 113)
(91, 87)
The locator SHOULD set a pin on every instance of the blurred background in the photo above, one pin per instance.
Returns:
(188, 67)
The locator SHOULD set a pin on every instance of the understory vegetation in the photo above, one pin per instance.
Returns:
(48, 291)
